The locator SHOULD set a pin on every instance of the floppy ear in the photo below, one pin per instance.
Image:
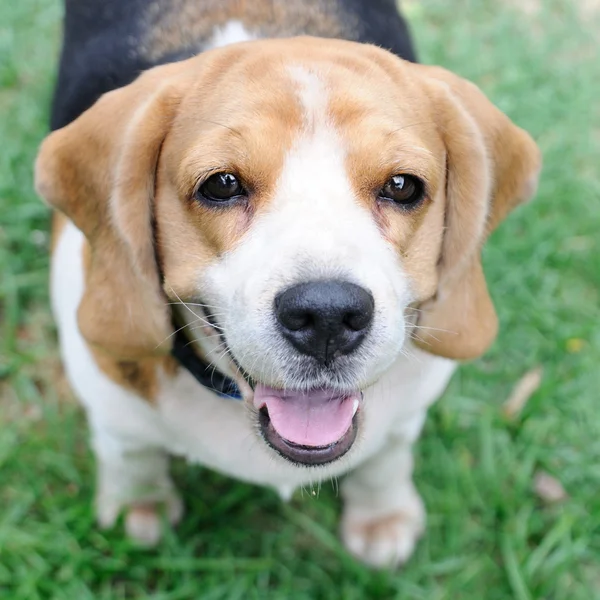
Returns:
(99, 171)
(492, 166)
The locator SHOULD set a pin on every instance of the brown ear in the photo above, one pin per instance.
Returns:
(99, 171)
(492, 166)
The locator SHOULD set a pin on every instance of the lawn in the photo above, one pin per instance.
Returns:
(491, 536)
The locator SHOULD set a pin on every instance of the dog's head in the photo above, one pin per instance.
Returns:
(303, 196)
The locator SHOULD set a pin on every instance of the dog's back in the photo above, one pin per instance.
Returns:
(107, 43)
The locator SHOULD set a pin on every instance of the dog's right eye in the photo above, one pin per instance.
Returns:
(220, 187)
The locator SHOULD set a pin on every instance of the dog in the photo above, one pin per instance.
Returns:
(266, 257)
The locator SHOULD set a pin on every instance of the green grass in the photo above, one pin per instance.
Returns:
(489, 537)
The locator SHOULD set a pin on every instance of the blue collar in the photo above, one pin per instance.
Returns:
(205, 374)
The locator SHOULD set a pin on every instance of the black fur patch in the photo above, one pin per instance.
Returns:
(102, 40)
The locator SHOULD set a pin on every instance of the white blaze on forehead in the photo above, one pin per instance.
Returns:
(230, 33)
(312, 95)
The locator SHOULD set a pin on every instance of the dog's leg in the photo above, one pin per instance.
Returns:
(134, 479)
(383, 513)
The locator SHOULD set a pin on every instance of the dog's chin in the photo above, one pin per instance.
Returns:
(310, 428)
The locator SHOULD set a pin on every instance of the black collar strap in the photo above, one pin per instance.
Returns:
(205, 374)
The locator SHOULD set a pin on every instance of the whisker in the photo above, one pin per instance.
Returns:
(197, 304)
(217, 348)
(210, 325)
(435, 329)
(182, 302)
(198, 317)
(205, 337)
(414, 336)
(177, 331)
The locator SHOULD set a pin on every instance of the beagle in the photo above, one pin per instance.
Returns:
(267, 245)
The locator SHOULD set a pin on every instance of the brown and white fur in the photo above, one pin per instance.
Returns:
(315, 126)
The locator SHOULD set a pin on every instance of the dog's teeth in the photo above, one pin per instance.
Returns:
(355, 407)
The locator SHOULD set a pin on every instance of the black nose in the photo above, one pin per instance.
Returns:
(325, 319)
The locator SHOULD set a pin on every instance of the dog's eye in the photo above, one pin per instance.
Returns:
(221, 187)
(405, 190)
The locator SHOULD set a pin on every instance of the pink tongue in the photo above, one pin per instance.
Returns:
(315, 418)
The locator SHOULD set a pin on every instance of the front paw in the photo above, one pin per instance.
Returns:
(143, 519)
(143, 522)
(383, 541)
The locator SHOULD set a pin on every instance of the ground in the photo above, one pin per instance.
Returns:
(491, 535)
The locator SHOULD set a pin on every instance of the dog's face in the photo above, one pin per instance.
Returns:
(303, 197)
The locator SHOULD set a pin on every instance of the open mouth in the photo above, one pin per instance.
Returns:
(310, 428)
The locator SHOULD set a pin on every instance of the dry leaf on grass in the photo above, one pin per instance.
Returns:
(521, 393)
(575, 345)
(548, 488)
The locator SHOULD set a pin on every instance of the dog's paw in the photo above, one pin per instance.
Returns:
(143, 520)
(384, 541)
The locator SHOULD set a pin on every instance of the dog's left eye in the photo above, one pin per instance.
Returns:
(221, 187)
(405, 190)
